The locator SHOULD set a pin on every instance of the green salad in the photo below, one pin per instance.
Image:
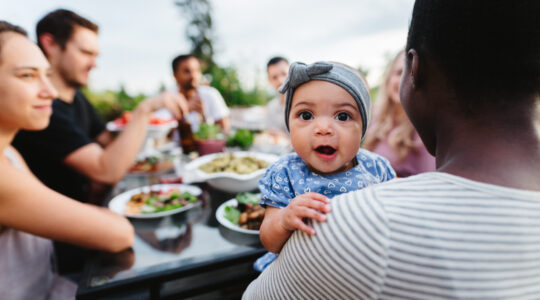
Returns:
(158, 201)
(248, 214)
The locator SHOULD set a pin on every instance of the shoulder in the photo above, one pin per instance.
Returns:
(208, 93)
(419, 186)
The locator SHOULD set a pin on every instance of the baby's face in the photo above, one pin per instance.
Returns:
(326, 126)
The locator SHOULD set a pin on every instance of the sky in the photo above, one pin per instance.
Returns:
(139, 38)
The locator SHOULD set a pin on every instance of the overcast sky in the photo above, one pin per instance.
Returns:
(139, 38)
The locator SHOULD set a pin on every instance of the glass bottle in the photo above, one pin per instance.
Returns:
(187, 140)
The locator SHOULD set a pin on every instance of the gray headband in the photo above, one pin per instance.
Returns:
(300, 73)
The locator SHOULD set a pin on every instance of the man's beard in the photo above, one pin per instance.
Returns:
(70, 80)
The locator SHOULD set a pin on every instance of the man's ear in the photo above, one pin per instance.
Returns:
(413, 62)
(48, 43)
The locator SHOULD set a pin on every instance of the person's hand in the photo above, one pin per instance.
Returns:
(195, 104)
(310, 205)
(174, 102)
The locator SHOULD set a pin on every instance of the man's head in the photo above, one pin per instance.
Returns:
(187, 71)
(70, 43)
(277, 69)
(477, 58)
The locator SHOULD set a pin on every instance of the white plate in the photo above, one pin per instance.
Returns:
(227, 181)
(118, 203)
(220, 216)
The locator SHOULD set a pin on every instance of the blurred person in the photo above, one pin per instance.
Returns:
(471, 88)
(31, 214)
(277, 69)
(205, 102)
(75, 148)
(326, 110)
(391, 134)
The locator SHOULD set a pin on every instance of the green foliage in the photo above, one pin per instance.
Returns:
(242, 138)
(209, 132)
(110, 104)
(226, 81)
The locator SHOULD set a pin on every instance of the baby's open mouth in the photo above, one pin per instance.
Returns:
(327, 150)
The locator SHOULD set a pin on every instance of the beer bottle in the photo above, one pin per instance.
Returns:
(187, 140)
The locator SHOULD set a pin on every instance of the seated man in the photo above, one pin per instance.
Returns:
(277, 69)
(471, 87)
(75, 148)
(205, 102)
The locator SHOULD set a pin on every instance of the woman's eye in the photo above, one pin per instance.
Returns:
(305, 115)
(27, 75)
(342, 116)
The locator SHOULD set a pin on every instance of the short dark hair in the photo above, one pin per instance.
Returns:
(489, 50)
(6, 27)
(276, 59)
(61, 24)
(179, 59)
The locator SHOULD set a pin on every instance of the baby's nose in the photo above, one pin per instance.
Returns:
(323, 126)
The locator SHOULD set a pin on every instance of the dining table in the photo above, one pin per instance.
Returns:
(183, 255)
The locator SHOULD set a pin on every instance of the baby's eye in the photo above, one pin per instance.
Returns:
(305, 115)
(343, 116)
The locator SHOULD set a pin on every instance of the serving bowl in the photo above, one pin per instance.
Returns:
(227, 181)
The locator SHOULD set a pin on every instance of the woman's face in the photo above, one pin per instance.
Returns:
(394, 78)
(25, 90)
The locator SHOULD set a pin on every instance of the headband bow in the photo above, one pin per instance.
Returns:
(302, 73)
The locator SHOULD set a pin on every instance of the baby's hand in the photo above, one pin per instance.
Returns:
(310, 205)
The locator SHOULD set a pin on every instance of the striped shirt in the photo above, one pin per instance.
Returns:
(429, 236)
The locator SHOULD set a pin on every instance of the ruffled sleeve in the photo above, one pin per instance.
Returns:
(275, 185)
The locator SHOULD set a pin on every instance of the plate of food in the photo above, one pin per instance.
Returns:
(242, 214)
(232, 172)
(157, 126)
(156, 200)
(151, 164)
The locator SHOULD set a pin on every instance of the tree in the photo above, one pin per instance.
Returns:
(199, 30)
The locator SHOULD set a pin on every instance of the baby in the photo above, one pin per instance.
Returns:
(326, 113)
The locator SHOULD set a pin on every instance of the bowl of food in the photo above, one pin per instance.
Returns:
(232, 172)
(242, 214)
(156, 201)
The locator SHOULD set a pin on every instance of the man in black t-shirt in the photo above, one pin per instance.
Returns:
(76, 149)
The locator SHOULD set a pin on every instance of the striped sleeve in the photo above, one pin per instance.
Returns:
(347, 258)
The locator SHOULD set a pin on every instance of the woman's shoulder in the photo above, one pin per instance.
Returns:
(14, 158)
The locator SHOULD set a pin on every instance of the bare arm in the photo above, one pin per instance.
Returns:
(110, 164)
(105, 138)
(279, 223)
(28, 205)
(224, 123)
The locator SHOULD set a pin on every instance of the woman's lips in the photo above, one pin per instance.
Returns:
(44, 108)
